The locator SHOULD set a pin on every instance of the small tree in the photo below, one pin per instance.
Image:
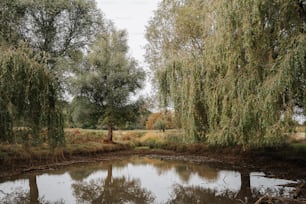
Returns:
(108, 78)
(160, 124)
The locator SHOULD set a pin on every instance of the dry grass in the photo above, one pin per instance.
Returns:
(89, 142)
(298, 137)
(81, 136)
(81, 142)
(152, 136)
(128, 135)
(94, 138)
(78, 142)
(300, 128)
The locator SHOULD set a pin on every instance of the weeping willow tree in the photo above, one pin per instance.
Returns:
(176, 45)
(234, 70)
(28, 97)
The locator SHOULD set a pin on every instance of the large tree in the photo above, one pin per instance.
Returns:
(234, 70)
(109, 77)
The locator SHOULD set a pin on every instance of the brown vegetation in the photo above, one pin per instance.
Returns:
(166, 117)
(89, 144)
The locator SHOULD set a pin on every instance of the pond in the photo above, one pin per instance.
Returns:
(142, 180)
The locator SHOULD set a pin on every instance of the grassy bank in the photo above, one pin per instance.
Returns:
(80, 142)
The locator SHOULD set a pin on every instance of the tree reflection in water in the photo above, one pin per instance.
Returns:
(245, 193)
(17, 197)
(144, 180)
(193, 194)
(22, 196)
(33, 190)
(112, 190)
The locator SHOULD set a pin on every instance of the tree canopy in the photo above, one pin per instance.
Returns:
(58, 27)
(233, 70)
(62, 28)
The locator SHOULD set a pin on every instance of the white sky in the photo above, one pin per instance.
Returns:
(132, 15)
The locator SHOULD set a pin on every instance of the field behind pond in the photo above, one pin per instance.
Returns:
(88, 142)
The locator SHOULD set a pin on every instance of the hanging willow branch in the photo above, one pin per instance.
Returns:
(28, 97)
(234, 70)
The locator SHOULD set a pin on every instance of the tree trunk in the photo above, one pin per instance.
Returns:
(33, 190)
(245, 193)
(109, 177)
(110, 133)
(107, 195)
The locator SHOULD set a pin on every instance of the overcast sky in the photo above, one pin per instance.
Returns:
(132, 15)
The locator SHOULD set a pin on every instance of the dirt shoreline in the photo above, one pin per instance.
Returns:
(292, 168)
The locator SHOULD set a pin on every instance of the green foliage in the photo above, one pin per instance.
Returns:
(83, 113)
(58, 32)
(108, 78)
(28, 96)
(59, 27)
(62, 28)
(234, 70)
(10, 16)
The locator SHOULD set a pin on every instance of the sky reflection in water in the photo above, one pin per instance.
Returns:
(142, 180)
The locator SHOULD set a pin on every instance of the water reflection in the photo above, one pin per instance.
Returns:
(142, 180)
(197, 194)
(111, 190)
(33, 190)
(17, 196)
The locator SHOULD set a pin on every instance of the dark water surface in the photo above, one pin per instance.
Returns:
(142, 180)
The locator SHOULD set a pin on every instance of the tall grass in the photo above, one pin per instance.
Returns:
(78, 142)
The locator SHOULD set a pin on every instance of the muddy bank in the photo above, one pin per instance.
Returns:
(269, 162)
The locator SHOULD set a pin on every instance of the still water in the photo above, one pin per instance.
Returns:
(141, 180)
